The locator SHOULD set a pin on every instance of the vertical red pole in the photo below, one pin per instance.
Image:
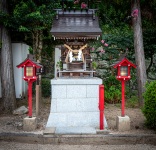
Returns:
(101, 106)
(28, 94)
(123, 98)
(30, 98)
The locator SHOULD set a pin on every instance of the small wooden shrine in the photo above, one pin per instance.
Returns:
(75, 27)
(75, 90)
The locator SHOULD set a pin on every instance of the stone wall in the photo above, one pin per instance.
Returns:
(74, 103)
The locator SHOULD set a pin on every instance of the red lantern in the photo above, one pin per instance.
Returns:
(30, 70)
(123, 74)
(123, 69)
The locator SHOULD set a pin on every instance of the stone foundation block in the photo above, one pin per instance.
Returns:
(74, 105)
(29, 124)
(123, 123)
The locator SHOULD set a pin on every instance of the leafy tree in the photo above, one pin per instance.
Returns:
(32, 19)
(35, 18)
(114, 16)
(29, 20)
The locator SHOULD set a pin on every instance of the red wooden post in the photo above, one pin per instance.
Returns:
(123, 98)
(30, 98)
(101, 106)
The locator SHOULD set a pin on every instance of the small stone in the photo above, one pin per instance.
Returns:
(20, 111)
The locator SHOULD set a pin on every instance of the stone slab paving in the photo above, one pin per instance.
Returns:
(75, 130)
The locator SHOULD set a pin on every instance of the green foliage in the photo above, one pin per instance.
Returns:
(30, 50)
(30, 15)
(114, 14)
(46, 87)
(150, 51)
(112, 90)
(59, 65)
(132, 102)
(26, 17)
(94, 64)
(116, 32)
(118, 35)
(149, 108)
(149, 42)
(119, 41)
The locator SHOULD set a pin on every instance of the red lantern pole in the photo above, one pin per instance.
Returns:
(101, 106)
(30, 98)
(123, 98)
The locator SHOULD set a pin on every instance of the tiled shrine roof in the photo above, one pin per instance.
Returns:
(76, 25)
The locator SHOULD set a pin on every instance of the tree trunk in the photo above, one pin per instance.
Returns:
(7, 77)
(139, 51)
(6, 62)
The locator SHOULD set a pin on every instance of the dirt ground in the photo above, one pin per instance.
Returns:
(14, 123)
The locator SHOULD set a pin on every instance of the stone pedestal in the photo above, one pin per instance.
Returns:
(74, 104)
(123, 123)
(29, 124)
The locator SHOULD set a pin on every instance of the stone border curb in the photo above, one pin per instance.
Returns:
(111, 139)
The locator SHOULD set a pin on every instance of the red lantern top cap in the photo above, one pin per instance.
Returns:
(124, 62)
(29, 62)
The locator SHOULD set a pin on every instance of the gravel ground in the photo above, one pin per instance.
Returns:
(22, 146)
(14, 123)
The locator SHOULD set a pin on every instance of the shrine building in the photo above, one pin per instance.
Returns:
(75, 90)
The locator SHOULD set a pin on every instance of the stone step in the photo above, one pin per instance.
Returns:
(74, 131)
(88, 119)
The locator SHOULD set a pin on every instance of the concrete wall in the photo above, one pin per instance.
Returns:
(19, 52)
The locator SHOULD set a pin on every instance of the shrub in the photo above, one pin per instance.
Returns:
(112, 90)
(46, 87)
(149, 109)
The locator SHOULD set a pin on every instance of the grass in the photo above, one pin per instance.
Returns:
(132, 102)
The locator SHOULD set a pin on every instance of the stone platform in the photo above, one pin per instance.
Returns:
(74, 105)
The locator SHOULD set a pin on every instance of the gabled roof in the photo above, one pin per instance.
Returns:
(123, 61)
(29, 61)
(76, 25)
